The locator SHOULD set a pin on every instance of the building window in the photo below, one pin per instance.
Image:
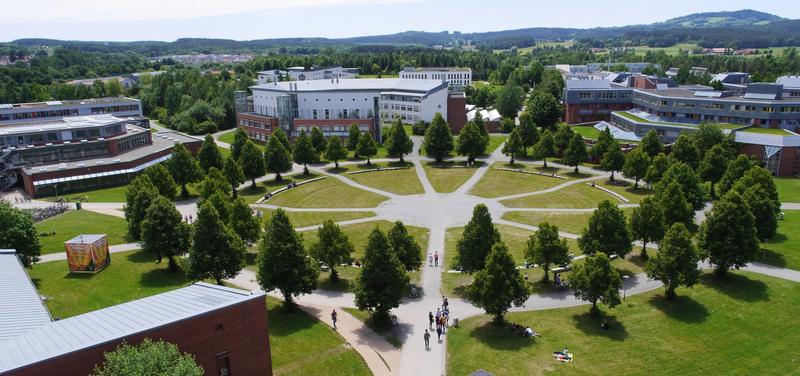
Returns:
(314, 114)
(327, 113)
(223, 364)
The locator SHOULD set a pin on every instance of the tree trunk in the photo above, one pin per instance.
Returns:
(288, 302)
(219, 280)
(544, 160)
(644, 249)
(401, 158)
(368, 162)
(336, 163)
(498, 319)
(512, 160)
(305, 169)
(184, 191)
(234, 192)
(576, 169)
(721, 271)
(612, 175)
(334, 275)
(173, 266)
(594, 311)
(254, 183)
(670, 293)
(545, 268)
(713, 194)
(278, 176)
(636, 183)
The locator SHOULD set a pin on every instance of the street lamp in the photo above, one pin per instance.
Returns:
(624, 288)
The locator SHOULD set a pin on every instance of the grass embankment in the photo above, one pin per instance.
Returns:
(75, 222)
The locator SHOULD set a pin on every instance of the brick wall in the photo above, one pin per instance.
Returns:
(456, 112)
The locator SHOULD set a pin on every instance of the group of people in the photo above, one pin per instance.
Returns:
(40, 214)
(561, 283)
(524, 331)
(442, 321)
(433, 259)
(188, 219)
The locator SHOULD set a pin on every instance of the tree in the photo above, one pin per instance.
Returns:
(675, 264)
(596, 281)
(18, 232)
(304, 152)
(707, 136)
(545, 248)
(607, 232)
(687, 180)
(728, 236)
(514, 145)
(713, 166)
(604, 140)
(209, 156)
(280, 135)
(333, 247)
(335, 151)
(576, 152)
(239, 139)
(471, 142)
(499, 284)
(613, 159)
(216, 252)
(509, 100)
(184, 168)
(214, 182)
(658, 167)
(636, 165)
(399, 144)
(233, 172)
(139, 194)
(162, 179)
(528, 130)
(405, 247)
(675, 206)
(148, 358)
(164, 232)
(277, 158)
(318, 140)
(477, 240)
(367, 147)
(544, 109)
(735, 170)
(761, 195)
(647, 223)
(383, 281)
(545, 147)
(352, 140)
(686, 151)
(244, 223)
(563, 136)
(438, 141)
(651, 144)
(282, 260)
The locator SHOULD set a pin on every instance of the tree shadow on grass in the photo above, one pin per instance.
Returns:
(342, 285)
(284, 322)
(590, 325)
(681, 308)
(738, 286)
(163, 278)
(771, 257)
(140, 257)
(501, 337)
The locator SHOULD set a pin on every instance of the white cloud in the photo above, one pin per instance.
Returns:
(154, 10)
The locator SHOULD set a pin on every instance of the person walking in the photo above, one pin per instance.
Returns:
(333, 318)
(430, 320)
(436, 258)
(427, 337)
(430, 260)
(439, 333)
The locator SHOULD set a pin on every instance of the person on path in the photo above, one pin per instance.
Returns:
(436, 258)
(333, 318)
(430, 320)
(445, 303)
(430, 260)
(427, 337)
(439, 333)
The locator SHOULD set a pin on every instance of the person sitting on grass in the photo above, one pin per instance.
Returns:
(530, 333)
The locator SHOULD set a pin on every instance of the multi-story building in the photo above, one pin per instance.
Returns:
(593, 100)
(333, 105)
(456, 78)
(302, 74)
(52, 110)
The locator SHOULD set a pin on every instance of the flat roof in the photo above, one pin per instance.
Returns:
(687, 93)
(361, 84)
(62, 124)
(59, 338)
(21, 308)
(73, 102)
(436, 69)
(85, 239)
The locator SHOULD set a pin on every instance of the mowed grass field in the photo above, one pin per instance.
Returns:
(715, 328)
(499, 183)
(577, 196)
(75, 222)
(784, 248)
(571, 222)
(447, 180)
(304, 218)
(788, 189)
(327, 193)
(117, 194)
(252, 194)
(401, 182)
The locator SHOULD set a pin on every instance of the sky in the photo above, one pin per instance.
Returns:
(167, 20)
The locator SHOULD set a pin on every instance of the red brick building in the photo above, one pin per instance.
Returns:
(456, 111)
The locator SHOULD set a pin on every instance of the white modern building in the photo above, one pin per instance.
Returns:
(302, 74)
(456, 78)
(35, 112)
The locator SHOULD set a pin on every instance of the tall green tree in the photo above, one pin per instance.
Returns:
(688, 181)
(139, 194)
(277, 158)
(528, 130)
(636, 165)
(148, 358)
(707, 136)
(280, 135)
(675, 264)
(405, 247)
(383, 281)
(233, 172)
(563, 136)
(604, 140)
(438, 139)
(239, 139)
(216, 252)
(514, 145)
(283, 263)
(686, 151)
(576, 152)
(164, 233)
(544, 109)
(713, 166)
(509, 100)
(596, 281)
(728, 236)
(244, 223)
(651, 144)
(658, 166)
(333, 247)
(546, 248)
(759, 191)
(499, 284)
(477, 240)
(545, 148)
(471, 142)
(304, 152)
(735, 170)
(352, 139)
(675, 207)
(318, 140)
(162, 179)
(399, 144)
(209, 156)
(613, 159)
(214, 182)
(647, 223)
(607, 232)
(17, 232)
(335, 151)
(367, 147)
(184, 168)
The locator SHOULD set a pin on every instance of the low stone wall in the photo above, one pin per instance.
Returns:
(532, 173)
(606, 190)
(376, 170)
(286, 188)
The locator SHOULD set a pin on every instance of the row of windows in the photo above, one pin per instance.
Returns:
(401, 107)
(406, 118)
(38, 114)
(720, 106)
(400, 98)
(438, 76)
(110, 109)
(605, 95)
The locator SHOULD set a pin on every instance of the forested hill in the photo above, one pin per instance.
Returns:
(744, 17)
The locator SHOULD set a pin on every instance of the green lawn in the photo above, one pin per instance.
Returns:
(302, 345)
(498, 183)
(447, 180)
(227, 137)
(577, 196)
(586, 131)
(788, 189)
(327, 193)
(495, 140)
(116, 194)
(304, 219)
(401, 182)
(131, 275)
(75, 222)
(627, 190)
(571, 222)
(771, 131)
(716, 328)
(251, 194)
(782, 250)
